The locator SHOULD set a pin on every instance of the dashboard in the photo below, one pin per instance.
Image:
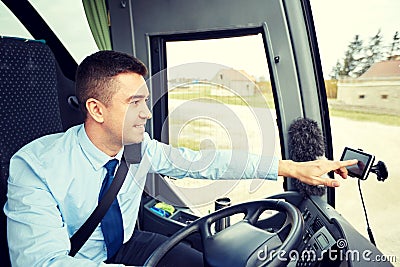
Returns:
(327, 238)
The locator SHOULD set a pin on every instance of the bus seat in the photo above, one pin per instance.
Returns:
(31, 86)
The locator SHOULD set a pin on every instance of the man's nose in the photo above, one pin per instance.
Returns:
(145, 113)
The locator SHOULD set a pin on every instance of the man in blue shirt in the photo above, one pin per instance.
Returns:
(55, 181)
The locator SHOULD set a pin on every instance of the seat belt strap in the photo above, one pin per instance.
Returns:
(132, 153)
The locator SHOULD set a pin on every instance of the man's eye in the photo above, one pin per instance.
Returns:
(137, 101)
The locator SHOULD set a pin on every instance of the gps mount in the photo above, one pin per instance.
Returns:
(380, 170)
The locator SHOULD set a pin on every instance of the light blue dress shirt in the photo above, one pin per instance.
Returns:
(55, 182)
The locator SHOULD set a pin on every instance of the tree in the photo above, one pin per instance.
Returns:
(373, 53)
(395, 45)
(358, 58)
(351, 62)
(335, 73)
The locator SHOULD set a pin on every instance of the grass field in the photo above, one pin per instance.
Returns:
(266, 100)
(387, 119)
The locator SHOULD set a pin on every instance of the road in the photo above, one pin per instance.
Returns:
(381, 198)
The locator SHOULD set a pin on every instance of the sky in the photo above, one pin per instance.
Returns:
(336, 22)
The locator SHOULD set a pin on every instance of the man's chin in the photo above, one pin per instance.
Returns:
(131, 141)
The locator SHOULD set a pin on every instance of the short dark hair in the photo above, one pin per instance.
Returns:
(94, 76)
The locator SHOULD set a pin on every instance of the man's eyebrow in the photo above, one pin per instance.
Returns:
(135, 97)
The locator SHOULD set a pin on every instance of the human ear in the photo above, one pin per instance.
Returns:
(95, 109)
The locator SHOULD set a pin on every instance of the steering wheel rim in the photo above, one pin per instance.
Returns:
(248, 230)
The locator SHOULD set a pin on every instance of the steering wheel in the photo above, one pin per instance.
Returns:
(241, 244)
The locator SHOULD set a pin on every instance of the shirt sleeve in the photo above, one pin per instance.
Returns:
(208, 164)
(37, 235)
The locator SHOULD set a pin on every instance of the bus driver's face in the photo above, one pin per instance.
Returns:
(128, 112)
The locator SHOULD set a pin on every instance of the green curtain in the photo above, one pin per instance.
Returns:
(96, 13)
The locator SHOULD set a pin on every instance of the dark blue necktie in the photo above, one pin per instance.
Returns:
(111, 224)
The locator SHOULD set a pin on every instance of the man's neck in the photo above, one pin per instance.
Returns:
(98, 137)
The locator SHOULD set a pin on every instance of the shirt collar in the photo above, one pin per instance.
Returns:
(96, 157)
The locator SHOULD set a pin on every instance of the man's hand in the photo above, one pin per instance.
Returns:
(310, 172)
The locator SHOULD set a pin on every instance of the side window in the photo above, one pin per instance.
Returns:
(360, 55)
(10, 25)
(220, 97)
(70, 25)
(75, 35)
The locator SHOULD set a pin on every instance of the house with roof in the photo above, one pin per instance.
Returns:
(378, 87)
(233, 82)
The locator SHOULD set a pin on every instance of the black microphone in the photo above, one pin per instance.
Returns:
(306, 143)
